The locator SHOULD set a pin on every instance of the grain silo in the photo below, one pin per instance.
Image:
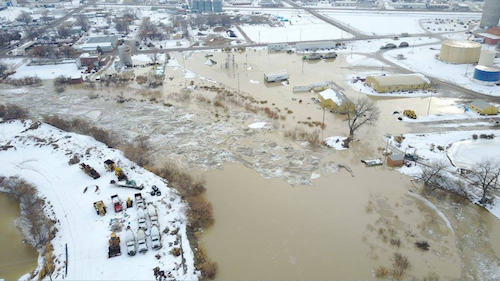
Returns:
(460, 51)
(487, 58)
(491, 14)
(217, 6)
(125, 55)
(486, 75)
(208, 6)
(195, 5)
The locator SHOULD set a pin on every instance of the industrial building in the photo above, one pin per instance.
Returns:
(486, 75)
(483, 107)
(491, 36)
(393, 83)
(107, 43)
(301, 47)
(276, 47)
(491, 14)
(331, 100)
(460, 51)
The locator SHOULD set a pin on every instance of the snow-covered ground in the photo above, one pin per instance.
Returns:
(301, 26)
(48, 71)
(388, 22)
(364, 61)
(11, 13)
(41, 156)
(423, 59)
(452, 146)
(447, 117)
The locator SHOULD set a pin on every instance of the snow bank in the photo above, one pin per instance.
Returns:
(41, 157)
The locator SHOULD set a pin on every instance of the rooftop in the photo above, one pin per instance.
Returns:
(480, 104)
(401, 79)
(330, 94)
(102, 39)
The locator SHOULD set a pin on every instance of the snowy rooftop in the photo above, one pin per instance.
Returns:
(337, 98)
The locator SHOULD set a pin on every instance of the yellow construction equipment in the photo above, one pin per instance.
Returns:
(100, 208)
(120, 174)
(410, 114)
(130, 203)
(114, 246)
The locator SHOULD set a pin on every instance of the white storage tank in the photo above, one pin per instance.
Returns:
(460, 51)
(487, 58)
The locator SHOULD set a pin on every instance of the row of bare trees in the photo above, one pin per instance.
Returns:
(484, 176)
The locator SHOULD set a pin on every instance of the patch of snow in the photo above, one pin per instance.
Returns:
(335, 142)
(257, 125)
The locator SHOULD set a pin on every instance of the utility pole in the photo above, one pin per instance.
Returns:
(352, 47)
(386, 147)
(302, 66)
(259, 37)
(246, 60)
(323, 115)
(466, 70)
(429, 107)
(238, 83)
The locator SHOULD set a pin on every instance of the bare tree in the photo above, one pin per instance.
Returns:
(3, 68)
(485, 176)
(432, 173)
(63, 31)
(83, 22)
(362, 111)
(24, 17)
(154, 56)
(45, 14)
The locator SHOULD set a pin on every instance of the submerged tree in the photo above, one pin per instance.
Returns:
(362, 111)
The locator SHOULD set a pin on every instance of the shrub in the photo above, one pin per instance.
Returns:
(139, 152)
(12, 111)
(382, 272)
(186, 183)
(399, 266)
(25, 81)
(176, 252)
(208, 270)
(396, 242)
(81, 127)
(200, 212)
(422, 245)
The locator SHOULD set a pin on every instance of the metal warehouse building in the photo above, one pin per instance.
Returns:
(393, 83)
(460, 51)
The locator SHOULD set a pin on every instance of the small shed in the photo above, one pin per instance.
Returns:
(483, 108)
(331, 100)
(396, 160)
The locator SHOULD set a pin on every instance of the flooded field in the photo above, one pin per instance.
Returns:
(16, 258)
(267, 229)
(275, 219)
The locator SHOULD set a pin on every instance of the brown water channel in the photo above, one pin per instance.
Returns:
(16, 258)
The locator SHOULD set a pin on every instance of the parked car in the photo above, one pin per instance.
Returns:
(404, 44)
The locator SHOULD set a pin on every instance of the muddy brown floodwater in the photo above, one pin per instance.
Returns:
(268, 229)
(16, 258)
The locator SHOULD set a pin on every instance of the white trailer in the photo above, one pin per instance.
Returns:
(155, 238)
(275, 77)
(130, 241)
(153, 216)
(141, 219)
(276, 47)
(141, 241)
